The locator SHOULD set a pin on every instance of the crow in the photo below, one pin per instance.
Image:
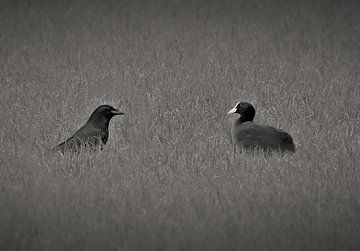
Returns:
(93, 134)
(250, 135)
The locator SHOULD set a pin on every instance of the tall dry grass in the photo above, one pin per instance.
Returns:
(168, 179)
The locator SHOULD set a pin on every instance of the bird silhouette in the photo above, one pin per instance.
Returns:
(250, 135)
(93, 134)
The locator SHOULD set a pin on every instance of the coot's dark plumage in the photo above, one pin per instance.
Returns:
(249, 135)
(93, 134)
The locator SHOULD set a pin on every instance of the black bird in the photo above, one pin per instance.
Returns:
(250, 135)
(93, 134)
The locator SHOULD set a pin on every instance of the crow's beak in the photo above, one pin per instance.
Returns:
(232, 110)
(116, 112)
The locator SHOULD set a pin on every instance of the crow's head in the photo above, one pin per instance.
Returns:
(103, 114)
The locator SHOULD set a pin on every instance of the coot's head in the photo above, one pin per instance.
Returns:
(246, 110)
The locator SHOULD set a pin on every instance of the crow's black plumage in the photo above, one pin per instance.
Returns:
(93, 134)
(250, 135)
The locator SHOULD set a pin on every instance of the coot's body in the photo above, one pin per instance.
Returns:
(251, 136)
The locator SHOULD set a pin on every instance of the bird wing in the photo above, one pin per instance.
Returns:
(285, 140)
(252, 135)
(87, 136)
(89, 133)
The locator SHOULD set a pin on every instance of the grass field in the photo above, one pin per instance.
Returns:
(168, 179)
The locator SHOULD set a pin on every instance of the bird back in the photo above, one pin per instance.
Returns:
(87, 137)
(250, 135)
